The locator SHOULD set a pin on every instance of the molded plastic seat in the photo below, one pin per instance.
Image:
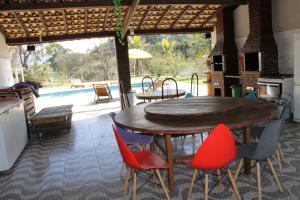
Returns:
(140, 161)
(217, 152)
(251, 96)
(149, 160)
(262, 151)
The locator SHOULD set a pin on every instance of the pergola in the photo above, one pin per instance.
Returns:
(35, 21)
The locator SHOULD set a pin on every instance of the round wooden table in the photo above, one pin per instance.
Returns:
(207, 113)
(157, 94)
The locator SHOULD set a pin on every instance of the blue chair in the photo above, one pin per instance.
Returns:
(262, 151)
(130, 138)
(189, 95)
(251, 96)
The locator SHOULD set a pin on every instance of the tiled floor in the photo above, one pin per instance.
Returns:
(85, 164)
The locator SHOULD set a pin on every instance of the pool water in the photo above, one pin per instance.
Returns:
(113, 89)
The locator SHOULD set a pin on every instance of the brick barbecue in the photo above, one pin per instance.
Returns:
(225, 55)
(260, 50)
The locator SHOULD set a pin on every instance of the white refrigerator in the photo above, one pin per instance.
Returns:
(297, 77)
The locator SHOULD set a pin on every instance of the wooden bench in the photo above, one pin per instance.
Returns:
(52, 119)
(57, 118)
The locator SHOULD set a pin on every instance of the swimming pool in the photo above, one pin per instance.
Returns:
(66, 93)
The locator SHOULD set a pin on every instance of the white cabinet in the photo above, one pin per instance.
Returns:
(13, 133)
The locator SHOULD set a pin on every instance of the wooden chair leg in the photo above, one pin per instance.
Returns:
(280, 152)
(206, 186)
(192, 183)
(218, 176)
(279, 160)
(134, 186)
(258, 180)
(236, 191)
(127, 182)
(162, 183)
(238, 169)
(274, 174)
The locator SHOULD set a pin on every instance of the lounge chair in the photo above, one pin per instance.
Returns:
(102, 93)
(77, 83)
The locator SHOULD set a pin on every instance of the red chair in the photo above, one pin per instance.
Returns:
(217, 152)
(140, 161)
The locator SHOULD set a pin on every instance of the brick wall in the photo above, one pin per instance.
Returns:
(260, 38)
(217, 79)
(225, 44)
(249, 79)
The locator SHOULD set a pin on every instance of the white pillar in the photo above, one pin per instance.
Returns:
(17, 75)
(22, 75)
(6, 74)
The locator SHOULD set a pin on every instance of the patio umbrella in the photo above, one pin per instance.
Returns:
(138, 54)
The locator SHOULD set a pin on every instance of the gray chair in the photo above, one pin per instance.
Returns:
(283, 112)
(262, 151)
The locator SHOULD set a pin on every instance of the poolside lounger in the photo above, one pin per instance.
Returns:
(77, 83)
(102, 93)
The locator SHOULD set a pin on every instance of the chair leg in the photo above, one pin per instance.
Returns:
(280, 152)
(192, 183)
(238, 169)
(206, 186)
(236, 191)
(274, 174)
(258, 180)
(218, 176)
(279, 160)
(134, 186)
(127, 182)
(194, 142)
(162, 183)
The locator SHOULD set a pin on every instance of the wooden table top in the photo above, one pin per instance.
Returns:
(156, 94)
(245, 114)
(191, 107)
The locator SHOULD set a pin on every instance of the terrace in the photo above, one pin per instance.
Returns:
(254, 43)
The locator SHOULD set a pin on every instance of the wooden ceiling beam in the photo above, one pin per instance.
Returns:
(46, 39)
(85, 20)
(19, 22)
(43, 23)
(105, 20)
(130, 15)
(165, 13)
(196, 16)
(65, 20)
(144, 17)
(212, 16)
(181, 14)
(11, 6)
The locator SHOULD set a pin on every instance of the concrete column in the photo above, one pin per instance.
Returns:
(17, 76)
(123, 63)
(6, 74)
(22, 75)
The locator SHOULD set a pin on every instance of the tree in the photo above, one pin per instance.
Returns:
(104, 55)
(40, 73)
(53, 50)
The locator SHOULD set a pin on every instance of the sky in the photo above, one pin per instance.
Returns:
(81, 46)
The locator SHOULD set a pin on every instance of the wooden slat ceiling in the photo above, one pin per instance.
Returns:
(23, 26)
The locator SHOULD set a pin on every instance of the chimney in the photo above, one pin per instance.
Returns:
(225, 55)
(260, 49)
(225, 51)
